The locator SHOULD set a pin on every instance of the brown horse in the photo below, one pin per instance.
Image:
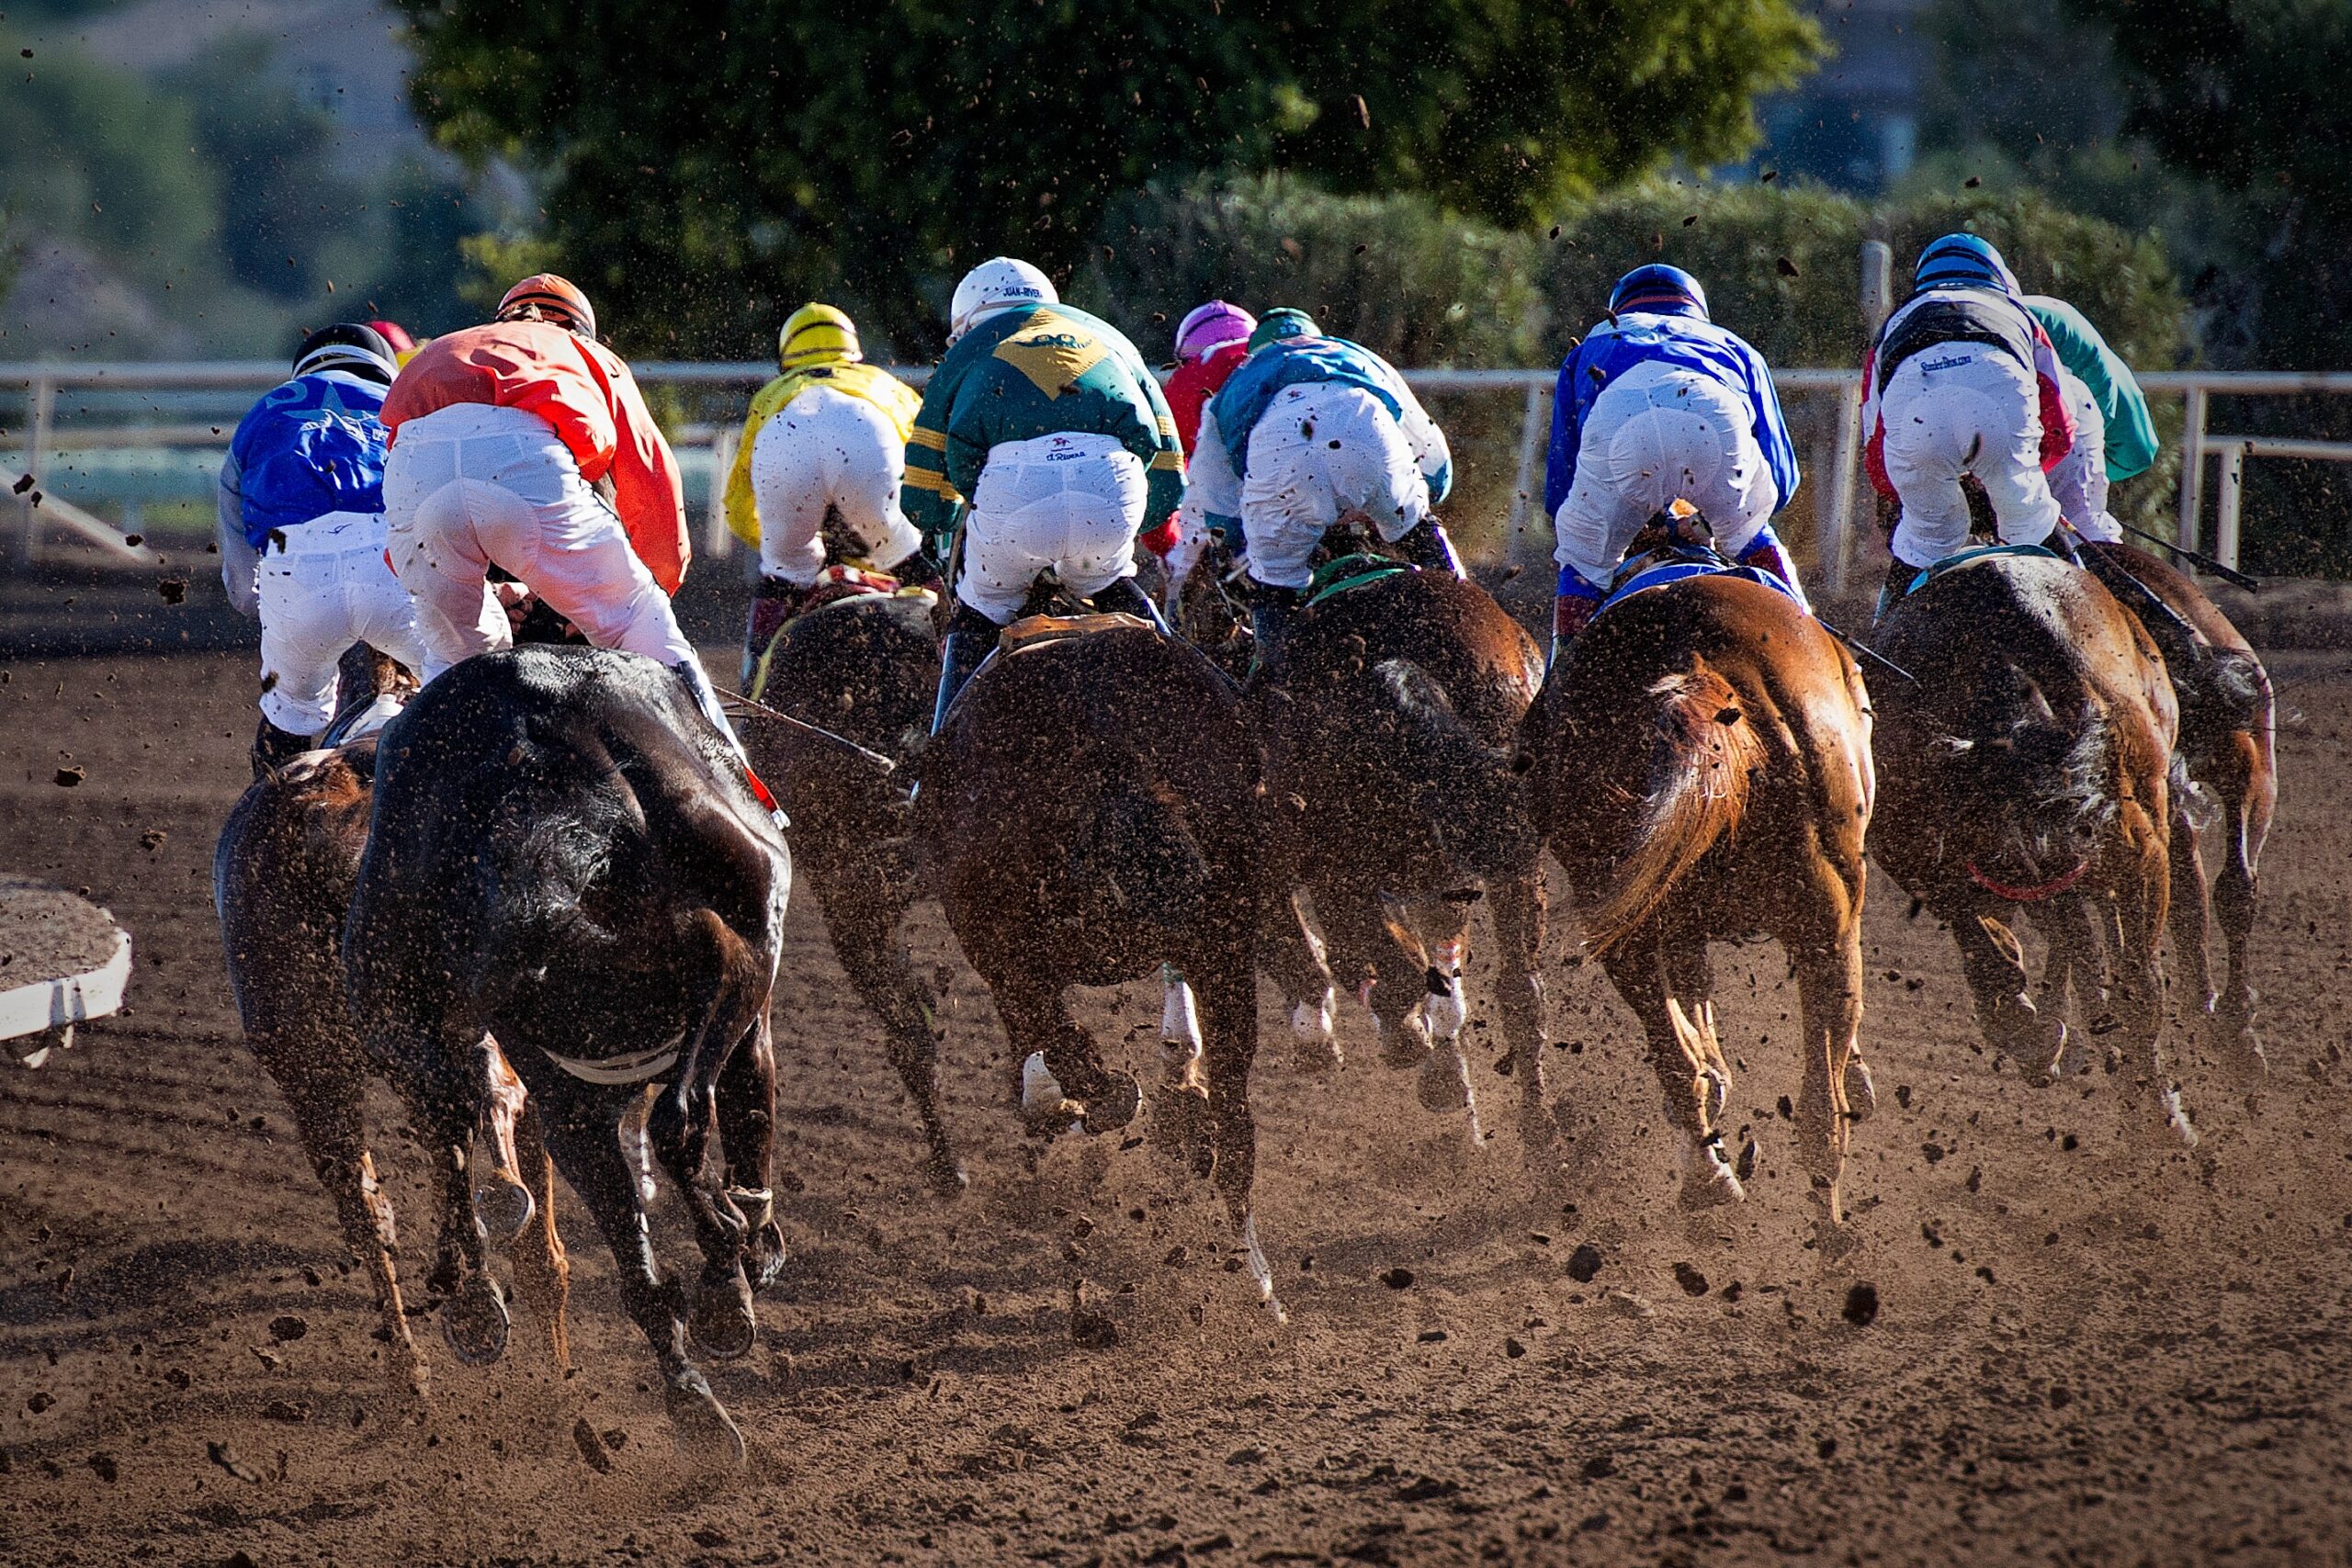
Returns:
(282, 875)
(2226, 738)
(565, 856)
(1091, 811)
(866, 668)
(1389, 715)
(2027, 767)
(1700, 764)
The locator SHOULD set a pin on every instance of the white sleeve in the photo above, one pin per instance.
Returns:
(1212, 489)
(1430, 453)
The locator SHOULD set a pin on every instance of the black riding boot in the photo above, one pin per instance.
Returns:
(970, 635)
(274, 748)
(1270, 610)
(1124, 598)
(1427, 546)
(1898, 582)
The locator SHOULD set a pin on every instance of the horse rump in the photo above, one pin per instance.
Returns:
(1465, 788)
(1703, 754)
(1135, 851)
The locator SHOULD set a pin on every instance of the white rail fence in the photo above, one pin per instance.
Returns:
(27, 452)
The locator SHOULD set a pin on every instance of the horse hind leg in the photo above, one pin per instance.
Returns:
(1231, 1004)
(2138, 922)
(542, 1267)
(1063, 1080)
(1292, 955)
(1829, 990)
(2249, 793)
(1366, 946)
(1518, 907)
(1180, 1101)
(747, 1137)
(502, 1198)
(2190, 919)
(1444, 1086)
(1682, 1053)
(1994, 960)
(2077, 964)
(864, 922)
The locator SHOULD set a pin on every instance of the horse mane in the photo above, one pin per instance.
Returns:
(1703, 754)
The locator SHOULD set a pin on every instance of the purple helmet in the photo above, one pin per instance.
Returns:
(1211, 326)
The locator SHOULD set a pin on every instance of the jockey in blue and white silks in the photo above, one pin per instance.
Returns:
(1658, 404)
(302, 534)
(1308, 431)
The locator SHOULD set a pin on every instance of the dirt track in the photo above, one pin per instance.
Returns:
(2090, 1346)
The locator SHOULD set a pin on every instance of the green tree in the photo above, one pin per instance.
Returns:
(708, 168)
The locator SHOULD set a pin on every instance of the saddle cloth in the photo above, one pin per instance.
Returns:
(1960, 557)
(1677, 563)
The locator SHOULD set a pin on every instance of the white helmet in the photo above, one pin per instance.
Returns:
(993, 285)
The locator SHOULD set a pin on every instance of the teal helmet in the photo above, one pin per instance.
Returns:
(1281, 322)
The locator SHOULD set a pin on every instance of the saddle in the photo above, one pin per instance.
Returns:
(844, 583)
(1037, 631)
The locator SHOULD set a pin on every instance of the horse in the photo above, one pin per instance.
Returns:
(2029, 768)
(282, 876)
(866, 668)
(1389, 716)
(1092, 813)
(1699, 764)
(565, 857)
(2227, 733)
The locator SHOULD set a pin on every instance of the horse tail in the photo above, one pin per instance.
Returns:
(1135, 853)
(2046, 775)
(1705, 753)
(1464, 787)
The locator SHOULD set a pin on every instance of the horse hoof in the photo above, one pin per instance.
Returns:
(2177, 1119)
(1403, 1048)
(766, 1255)
(703, 1427)
(1861, 1093)
(1116, 1106)
(475, 1321)
(1712, 1183)
(2234, 1041)
(721, 1323)
(1444, 1086)
(503, 1208)
(946, 1176)
(1317, 1058)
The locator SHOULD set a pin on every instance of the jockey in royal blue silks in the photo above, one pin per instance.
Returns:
(302, 534)
(1658, 404)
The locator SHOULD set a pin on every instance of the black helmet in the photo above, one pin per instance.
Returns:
(348, 346)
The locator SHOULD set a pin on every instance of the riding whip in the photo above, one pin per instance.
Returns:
(876, 759)
(2202, 562)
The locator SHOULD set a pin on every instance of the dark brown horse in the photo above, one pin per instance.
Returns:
(1699, 765)
(2226, 738)
(2027, 771)
(1091, 812)
(866, 668)
(282, 876)
(564, 855)
(1389, 716)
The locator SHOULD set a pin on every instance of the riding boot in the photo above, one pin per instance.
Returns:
(1766, 553)
(1427, 545)
(1270, 611)
(774, 602)
(970, 638)
(1571, 613)
(1899, 574)
(274, 748)
(1123, 597)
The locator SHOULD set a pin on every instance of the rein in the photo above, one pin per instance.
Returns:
(2034, 895)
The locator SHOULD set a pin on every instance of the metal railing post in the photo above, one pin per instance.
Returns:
(37, 437)
(2229, 497)
(718, 539)
(2192, 465)
(1535, 421)
(1876, 300)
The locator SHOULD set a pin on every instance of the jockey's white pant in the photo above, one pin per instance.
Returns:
(825, 449)
(1658, 435)
(471, 486)
(320, 587)
(1958, 409)
(1321, 451)
(1070, 505)
(2079, 481)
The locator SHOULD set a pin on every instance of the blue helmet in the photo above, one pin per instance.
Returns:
(1963, 261)
(1658, 287)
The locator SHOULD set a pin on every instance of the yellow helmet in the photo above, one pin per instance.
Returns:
(814, 334)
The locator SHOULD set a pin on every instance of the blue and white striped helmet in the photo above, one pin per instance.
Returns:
(1963, 261)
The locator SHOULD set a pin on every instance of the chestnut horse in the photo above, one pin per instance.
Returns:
(565, 856)
(866, 668)
(1091, 812)
(2226, 743)
(1699, 765)
(1389, 715)
(282, 875)
(2028, 771)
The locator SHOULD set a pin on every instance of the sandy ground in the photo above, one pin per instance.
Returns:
(2090, 1346)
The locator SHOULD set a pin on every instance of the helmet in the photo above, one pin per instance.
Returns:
(994, 285)
(1210, 326)
(1963, 261)
(1280, 323)
(559, 300)
(1658, 289)
(814, 334)
(348, 346)
(396, 335)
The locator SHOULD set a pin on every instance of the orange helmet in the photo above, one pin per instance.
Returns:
(559, 300)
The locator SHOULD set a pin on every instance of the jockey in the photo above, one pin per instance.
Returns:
(2115, 437)
(1210, 342)
(829, 434)
(1660, 404)
(525, 444)
(1310, 432)
(1963, 380)
(1045, 426)
(301, 499)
